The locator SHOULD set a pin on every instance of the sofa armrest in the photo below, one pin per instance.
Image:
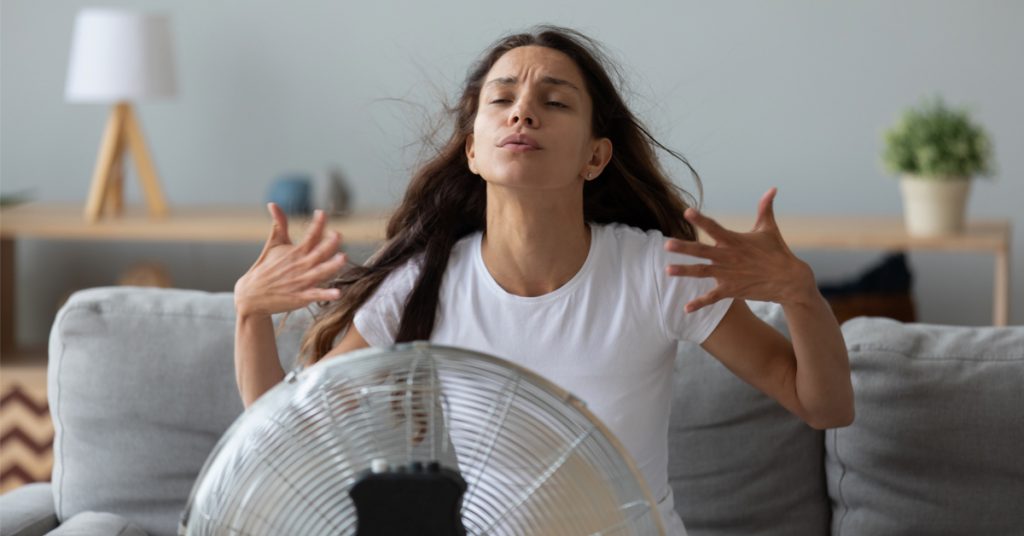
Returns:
(97, 523)
(141, 386)
(28, 511)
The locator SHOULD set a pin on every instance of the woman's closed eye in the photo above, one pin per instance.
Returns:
(552, 103)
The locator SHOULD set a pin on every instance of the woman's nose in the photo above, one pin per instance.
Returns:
(522, 113)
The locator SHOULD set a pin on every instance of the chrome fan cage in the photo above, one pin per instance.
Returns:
(534, 459)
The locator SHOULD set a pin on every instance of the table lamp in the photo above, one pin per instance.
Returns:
(118, 57)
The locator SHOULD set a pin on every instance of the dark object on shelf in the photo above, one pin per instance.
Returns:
(10, 200)
(883, 290)
(337, 199)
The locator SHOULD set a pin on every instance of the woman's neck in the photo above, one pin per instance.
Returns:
(535, 241)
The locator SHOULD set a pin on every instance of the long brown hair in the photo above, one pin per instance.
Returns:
(445, 201)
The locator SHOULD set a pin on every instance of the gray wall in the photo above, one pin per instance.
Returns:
(787, 93)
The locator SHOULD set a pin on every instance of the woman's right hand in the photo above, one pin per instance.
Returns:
(287, 276)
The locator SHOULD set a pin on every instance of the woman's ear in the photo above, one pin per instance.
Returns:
(471, 154)
(599, 158)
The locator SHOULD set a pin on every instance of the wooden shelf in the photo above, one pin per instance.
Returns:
(888, 233)
(862, 232)
(186, 224)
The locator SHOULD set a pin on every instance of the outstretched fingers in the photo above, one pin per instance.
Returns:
(315, 232)
(750, 265)
(691, 270)
(710, 226)
(766, 210)
(692, 248)
(317, 275)
(327, 269)
(279, 229)
(328, 246)
(713, 296)
(321, 294)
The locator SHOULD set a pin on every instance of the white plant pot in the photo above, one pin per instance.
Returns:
(934, 207)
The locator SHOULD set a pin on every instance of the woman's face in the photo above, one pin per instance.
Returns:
(533, 123)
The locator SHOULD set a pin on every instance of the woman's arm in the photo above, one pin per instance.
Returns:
(257, 366)
(810, 376)
(353, 340)
(284, 278)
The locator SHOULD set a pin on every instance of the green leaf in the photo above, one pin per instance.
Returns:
(934, 140)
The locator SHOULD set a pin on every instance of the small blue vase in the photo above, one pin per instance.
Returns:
(292, 192)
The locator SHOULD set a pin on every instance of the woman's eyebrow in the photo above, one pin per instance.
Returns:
(511, 81)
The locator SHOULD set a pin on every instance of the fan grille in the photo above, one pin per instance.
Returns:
(534, 459)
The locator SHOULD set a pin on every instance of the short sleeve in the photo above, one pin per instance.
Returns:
(378, 319)
(674, 292)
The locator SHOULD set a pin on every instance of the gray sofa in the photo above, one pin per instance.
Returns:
(141, 386)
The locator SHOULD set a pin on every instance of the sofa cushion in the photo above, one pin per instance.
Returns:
(141, 386)
(27, 511)
(937, 443)
(739, 463)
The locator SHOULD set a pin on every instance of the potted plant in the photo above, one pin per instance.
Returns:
(936, 150)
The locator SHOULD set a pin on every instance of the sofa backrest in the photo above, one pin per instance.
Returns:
(937, 446)
(141, 386)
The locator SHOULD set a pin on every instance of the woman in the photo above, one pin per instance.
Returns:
(545, 232)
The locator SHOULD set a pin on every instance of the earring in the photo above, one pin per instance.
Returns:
(589, 174)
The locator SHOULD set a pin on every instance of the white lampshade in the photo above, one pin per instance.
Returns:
(119, 55)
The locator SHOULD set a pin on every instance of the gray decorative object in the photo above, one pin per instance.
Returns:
(293, 193)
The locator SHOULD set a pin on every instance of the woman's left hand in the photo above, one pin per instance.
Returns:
(757, 265)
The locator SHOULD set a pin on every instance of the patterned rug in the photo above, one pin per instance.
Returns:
(26, 431)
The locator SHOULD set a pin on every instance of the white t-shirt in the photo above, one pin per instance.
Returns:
(608, 336)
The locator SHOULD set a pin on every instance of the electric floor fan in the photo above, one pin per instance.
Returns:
(418, 439)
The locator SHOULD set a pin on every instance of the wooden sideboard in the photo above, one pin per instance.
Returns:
(252, 224)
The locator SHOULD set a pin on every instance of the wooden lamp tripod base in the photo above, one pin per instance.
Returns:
(106, 193)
